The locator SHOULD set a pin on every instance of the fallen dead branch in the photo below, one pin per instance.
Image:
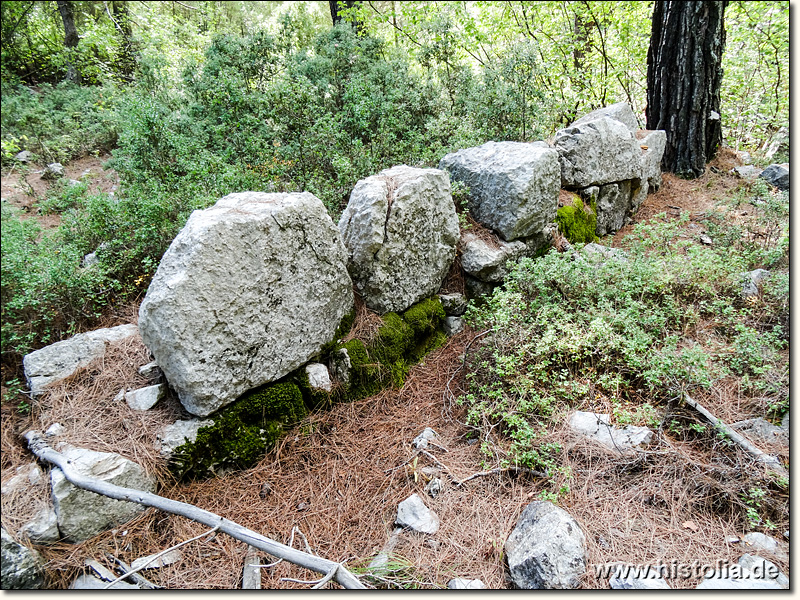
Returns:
(498, 471)
(738, 439)
(43, 451)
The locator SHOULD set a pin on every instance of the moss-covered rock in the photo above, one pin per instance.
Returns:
(245, 430)
(242, 432)
(577, 222)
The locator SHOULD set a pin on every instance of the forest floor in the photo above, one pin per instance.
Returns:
(340, 474)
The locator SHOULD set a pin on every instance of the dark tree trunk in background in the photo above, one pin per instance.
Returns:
(71, 38)
(336, 15)
(684, 73)
(122, 21)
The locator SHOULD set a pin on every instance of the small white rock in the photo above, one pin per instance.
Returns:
(465, 584)
(55, 429)
(318, 376)
(147, 562)
(151, 370)
(421, 441)
(145, 398)
(413, 514)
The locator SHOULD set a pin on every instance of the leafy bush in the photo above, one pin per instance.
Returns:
(45, 293)
(61, 122)
(565, 330)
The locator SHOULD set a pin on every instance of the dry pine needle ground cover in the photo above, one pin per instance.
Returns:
(340, 474)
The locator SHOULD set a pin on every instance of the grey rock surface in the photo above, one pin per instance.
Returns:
(151, 370)
(761, 543)
(761, 567)
(318, 376)
(486, 261)
(747, 172)
(621, 111)
(777, 175)
(90, 582)
(401, 231)
(248, 291)
(453, 304)
(751, 281)
(421, 441)
(513, 186)
(546, 549)
(340, 365)
(652, 144)
(53, 171)
(413, 514)
(453, 325)
(475, 288)
(20, 567)
(597, 152)
(82, 514)
(761, 430)
(614, 201)
(43, 528)
(58, 361)
(597, 427)
(151, 562)
(24, 157)
(460, 583)
(25, 476)
(631, 579)
(145, 398)
(55, 430)
(178, 433)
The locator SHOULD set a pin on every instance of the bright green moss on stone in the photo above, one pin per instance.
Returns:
(246, 429)
(577, 223)
(242, 432)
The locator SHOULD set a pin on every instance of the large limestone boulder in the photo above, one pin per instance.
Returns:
(56, 362)
(513, 187)
(652, 143)
(597, 152)
(613, 201)
(82, 514)
(248, 291)
(21, 566)
(546, 550)
(401, 231)
(621, 111)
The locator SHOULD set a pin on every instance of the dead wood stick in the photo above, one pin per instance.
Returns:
(160, 554)
(761, 456)
(136, 577)
(498, 471)
(44, 452)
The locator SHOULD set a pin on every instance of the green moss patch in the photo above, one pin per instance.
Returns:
(577, 222)
(249, 427)
(242, 432)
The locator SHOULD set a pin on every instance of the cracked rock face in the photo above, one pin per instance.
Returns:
(513, 187)
(249, 290)
(598, 152)
(401, 230)
(546, 550)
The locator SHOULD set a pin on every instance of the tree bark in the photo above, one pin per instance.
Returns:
(684, 74)
(71, 38)
(336, 15)
(125, 61)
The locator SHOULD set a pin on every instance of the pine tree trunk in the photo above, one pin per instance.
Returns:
(684, 74)
(71, 38)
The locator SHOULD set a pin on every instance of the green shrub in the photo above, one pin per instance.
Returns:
(623, 327)
(61, 122)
